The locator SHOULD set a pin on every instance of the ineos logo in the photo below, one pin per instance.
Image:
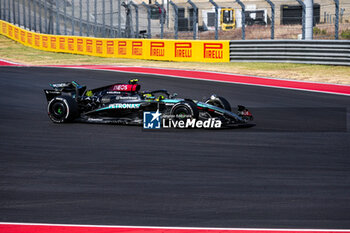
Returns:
(120, 87)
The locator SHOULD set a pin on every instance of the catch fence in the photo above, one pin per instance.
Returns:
(180, 19)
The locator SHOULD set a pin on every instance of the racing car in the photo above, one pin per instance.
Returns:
(124, 103)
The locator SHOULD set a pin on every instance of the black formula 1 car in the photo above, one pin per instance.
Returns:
(124, 103)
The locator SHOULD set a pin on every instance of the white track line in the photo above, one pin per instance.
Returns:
(13, 63)
(174, 228)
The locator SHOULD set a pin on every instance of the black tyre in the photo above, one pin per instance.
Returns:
(184, 110)
(62, 109)
(220, 102)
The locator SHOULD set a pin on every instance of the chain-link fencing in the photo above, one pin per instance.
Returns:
(181, 19)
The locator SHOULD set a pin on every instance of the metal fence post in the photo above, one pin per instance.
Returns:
(194, 19)
(15, 16)
(111, 17)
(65, 16)
(167, 15)
(18, 14)
(34, 11)
(87, 17)
(216, 19)
(128, 24)
(11, 11)
(2, 10)
(8, 11)
(243, 18)
(51, 22)
(272, 18)
(14, 20)
(73, 20)
(149, 35)
(40, 19)
(131, 28)
(303, 18)
(309, 19)
(119, 20)
(45, 17)
(57, 19)
(7, 2)
(8, 16)
(2, 3)
(336, 26)
(103, 19)
(176, 23)
(161, 19)
(137, 18)
(81, 17)
(114, 32)
(29, 15)
(95, 19)
(3, 17)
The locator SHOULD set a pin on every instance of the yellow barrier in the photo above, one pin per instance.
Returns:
(166, 50)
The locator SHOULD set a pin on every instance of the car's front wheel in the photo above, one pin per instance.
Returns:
(184, 110)
(62, 109)
(219, 101)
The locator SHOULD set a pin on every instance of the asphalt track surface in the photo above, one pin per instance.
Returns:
(290, 171)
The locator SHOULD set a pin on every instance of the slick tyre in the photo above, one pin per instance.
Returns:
(184, 110)
(220, 102)
(62, 109)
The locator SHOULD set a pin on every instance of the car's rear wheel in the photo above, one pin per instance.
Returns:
(62, 109)
(219, 101)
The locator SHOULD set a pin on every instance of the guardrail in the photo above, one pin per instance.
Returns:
(327, 52)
